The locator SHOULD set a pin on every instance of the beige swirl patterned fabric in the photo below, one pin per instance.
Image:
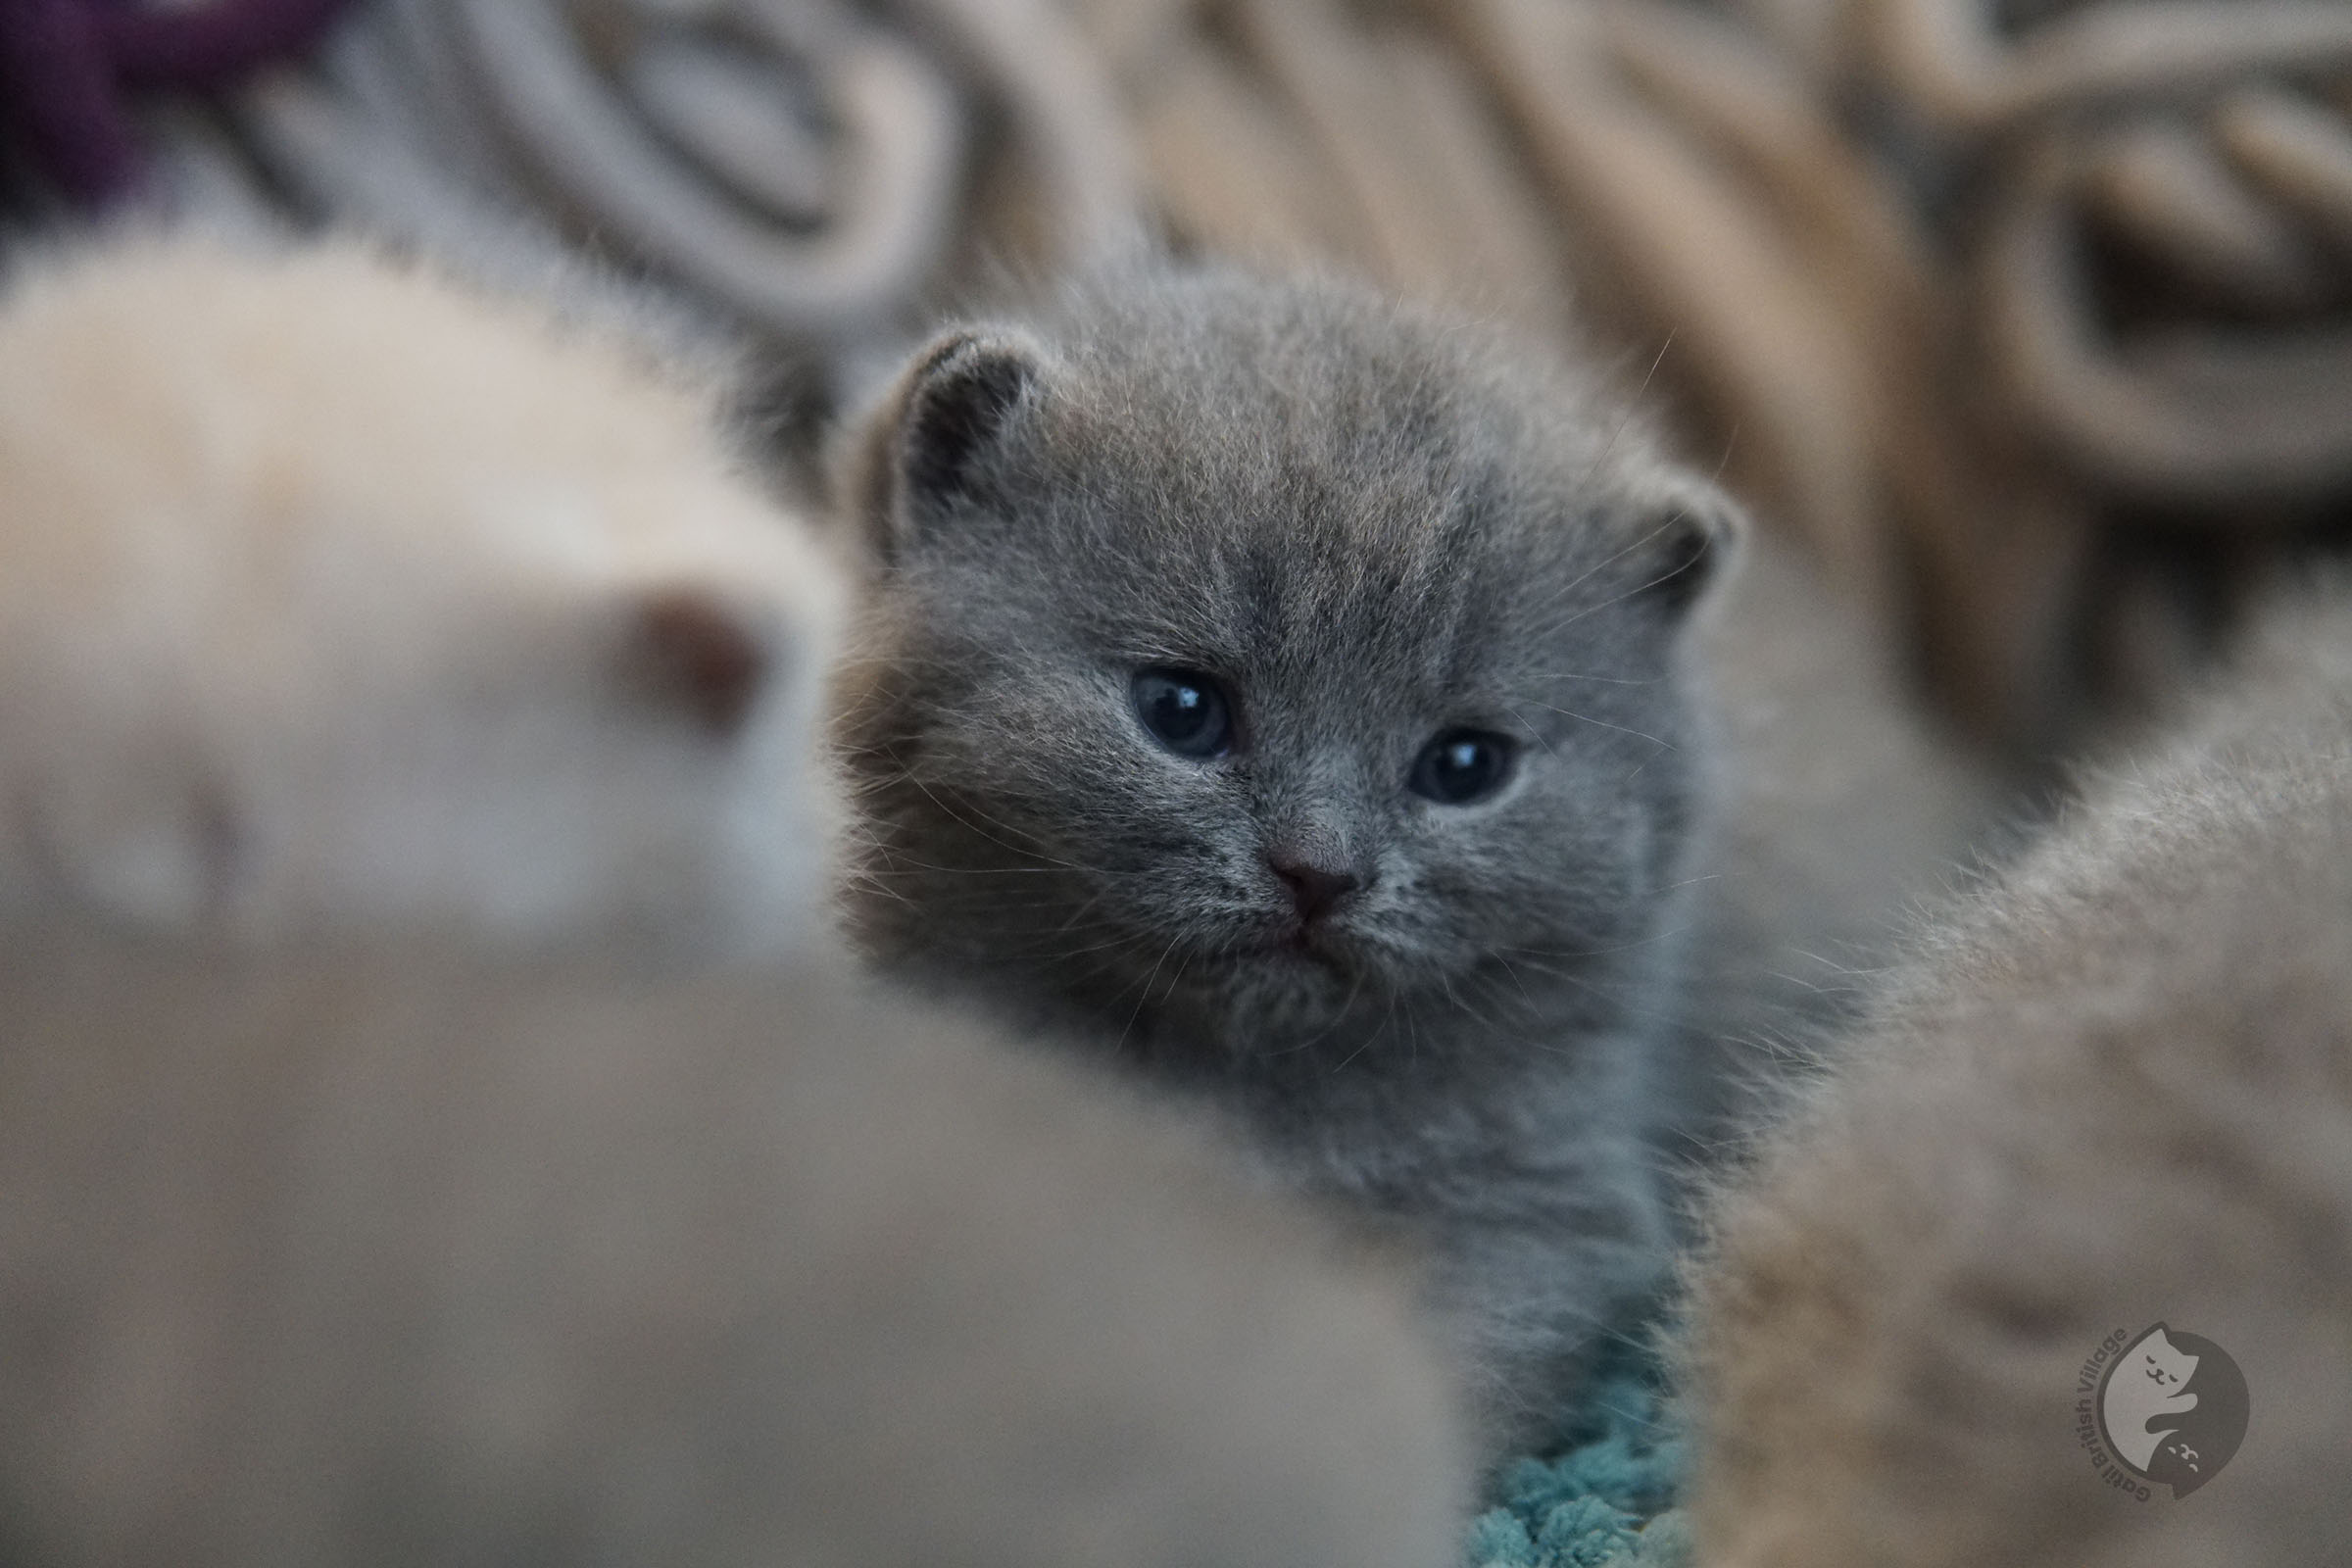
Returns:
(802, 168)
(2032, 318)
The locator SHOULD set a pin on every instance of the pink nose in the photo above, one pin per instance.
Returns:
(1314, 888)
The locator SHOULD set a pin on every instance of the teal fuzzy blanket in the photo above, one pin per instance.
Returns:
(1606, 1498)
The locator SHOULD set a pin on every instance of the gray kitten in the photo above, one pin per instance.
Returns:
(1285, 693)
(2111, 1090)
(388, 1257)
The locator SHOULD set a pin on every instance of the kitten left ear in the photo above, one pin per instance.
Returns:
(688, 654)
(927, 451)
(1694, 533)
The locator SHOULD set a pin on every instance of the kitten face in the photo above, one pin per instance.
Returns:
(1261, 647)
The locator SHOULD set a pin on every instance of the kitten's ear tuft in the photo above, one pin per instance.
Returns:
(1695, 536)
(948, 411)
(691, 655)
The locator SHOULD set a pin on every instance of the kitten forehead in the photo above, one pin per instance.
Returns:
(1217, 383)
(1283, 472)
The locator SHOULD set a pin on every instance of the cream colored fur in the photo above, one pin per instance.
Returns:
(356, 633)
(332, 594)
(1839, 809)
(2113, 1089)
(389, 1257)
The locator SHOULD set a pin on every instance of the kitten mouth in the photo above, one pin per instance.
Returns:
(1297, 945)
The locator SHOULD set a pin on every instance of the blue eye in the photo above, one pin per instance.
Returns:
(1185, 712)
(1462, 765)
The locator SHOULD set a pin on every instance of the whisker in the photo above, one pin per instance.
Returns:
(1622, 729)
(1145, 996)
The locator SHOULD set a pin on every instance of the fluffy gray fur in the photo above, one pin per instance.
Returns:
(2111, 1089)
(1370, 526)
(392, 1257)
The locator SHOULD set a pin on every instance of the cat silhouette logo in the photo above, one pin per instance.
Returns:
(2165, 1407)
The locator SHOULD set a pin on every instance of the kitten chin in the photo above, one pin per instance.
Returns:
(390, 1255)
(2109, 1090)
(1294, 698)
(333, 595)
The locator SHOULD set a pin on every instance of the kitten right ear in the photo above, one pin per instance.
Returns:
(928, 453)
(1696, 535)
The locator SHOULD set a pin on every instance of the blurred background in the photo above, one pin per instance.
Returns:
(2029, 320)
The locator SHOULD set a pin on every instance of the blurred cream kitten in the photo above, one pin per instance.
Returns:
(340, 602)
(339, 1257)
(336, 595)
(2112, 1090)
